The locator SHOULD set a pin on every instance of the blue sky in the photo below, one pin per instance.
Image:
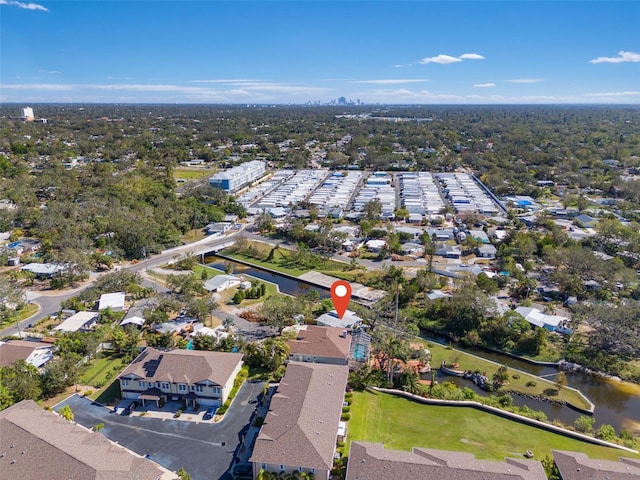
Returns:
(416, 52)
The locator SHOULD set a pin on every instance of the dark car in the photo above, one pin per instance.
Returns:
(243, 471)
(130, 408)
(211, 411)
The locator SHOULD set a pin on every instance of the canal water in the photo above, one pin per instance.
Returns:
(286, 285)
(617, 403)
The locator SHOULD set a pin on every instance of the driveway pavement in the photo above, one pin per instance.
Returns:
(206, 450)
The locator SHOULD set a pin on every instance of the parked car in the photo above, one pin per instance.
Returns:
(243, 471)
(130, 408)
(211, 411)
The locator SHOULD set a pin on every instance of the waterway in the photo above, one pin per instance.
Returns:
(617, 403)
(286, 285)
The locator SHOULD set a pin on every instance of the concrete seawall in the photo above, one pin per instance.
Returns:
(503, 413)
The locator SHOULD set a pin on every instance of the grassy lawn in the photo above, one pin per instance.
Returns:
(469, 362)
(192, 173)
(24, 312)
(108, 396)
(193, 235)
(281, 261)
(402, 424)
(296, 272)
(96, 373)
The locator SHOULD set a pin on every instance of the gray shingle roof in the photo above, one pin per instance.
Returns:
(37, 444)
(371, 461)
(301, 427)
(578, 466)
(183, 366)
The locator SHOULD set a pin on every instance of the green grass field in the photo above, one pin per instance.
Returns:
(402, 424)
(281, 261)
(470, 362)
(192, 173)
(96, 373)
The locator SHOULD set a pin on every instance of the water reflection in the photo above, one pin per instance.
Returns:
(286, 285)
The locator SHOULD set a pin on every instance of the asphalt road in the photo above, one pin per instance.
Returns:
(49, 302)
(198, 447)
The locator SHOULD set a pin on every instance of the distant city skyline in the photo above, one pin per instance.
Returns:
(268, 52)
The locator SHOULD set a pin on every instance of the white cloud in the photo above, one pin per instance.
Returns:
(484, 85)
(250, 91)
(471, 56)
(26, 6)
(526, 80)
(391, 81)
(50, 72)
(232, 81)
(441, 59)
(614, 94)
(622, 57)
(446, 59)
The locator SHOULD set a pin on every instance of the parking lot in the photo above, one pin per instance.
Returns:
(206, 450)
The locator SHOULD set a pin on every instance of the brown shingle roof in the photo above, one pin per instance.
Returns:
(321, 342)
(371, 461)
(14, 350)
(301, 427)
(183, 366)
(37, 444)
(578, 466)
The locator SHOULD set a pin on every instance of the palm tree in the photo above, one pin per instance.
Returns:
(66, 413)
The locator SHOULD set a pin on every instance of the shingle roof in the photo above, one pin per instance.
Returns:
(301, 427)
(14, 350)
(183, 366)
(37, 444)
(371, 461)
(321, 341)
(578, 466)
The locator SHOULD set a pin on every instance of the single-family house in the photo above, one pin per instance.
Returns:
(411, 248)
(320, 345)
(336, 212)
(448, 251)
(33, 353)
(414, 232)
(351, 231)
(198, 377)
(44, 270)
(113, 301)
(552, 323)
(479, 235)
(278, 212)
(371, 461)
(133, 320)
(218, 228)
(414, 218)
(300, 431)
(578, 466)
(487, 251)
(81, 321)
(221, 282)
(441, 234)
(36, 443)
(332, 319)
(585, 221)
(375, 245)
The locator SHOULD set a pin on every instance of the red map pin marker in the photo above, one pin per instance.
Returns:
(341, 296)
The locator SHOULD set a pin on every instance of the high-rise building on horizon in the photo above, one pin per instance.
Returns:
(27, 114)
